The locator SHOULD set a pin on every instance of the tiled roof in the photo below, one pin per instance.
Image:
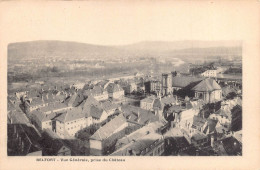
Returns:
(184, 81)
(18, 117)
(43, 117)
(174, 109)
(70, 115)
(207, 85)
(36, 101)
(91, 107)
(102, 83)
(90, 100)
(112, 87)
(168, 100)
(97, 90)
(131, 113)
(109, 128)
(158, 104)
(149, 99)
(226, 90)
(53, 107)
(108, 105)
(198, 135)
(138, 141)
(151, 128)
(96, 112)
(71, 100)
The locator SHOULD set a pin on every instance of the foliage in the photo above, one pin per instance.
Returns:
(231, 95)
(87, 132)
(233, 71)
(210, 108)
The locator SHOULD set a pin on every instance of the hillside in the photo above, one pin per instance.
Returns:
(65, 49)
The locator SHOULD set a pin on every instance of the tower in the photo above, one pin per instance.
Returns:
(166, 84)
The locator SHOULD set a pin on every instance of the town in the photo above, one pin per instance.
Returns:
(197, 113)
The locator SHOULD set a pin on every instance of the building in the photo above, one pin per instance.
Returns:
(98, 92)
(110, 107)
(167, 84)
(209, 73)
(146, 141)
(147, 103)
(169, 100)
(152, 86)
(180, 82)
(208, 90)
(42, 121)
(98, 139)
(130, 88)
(78, 85)
(67, 124)
(115, 91)
(139, 116)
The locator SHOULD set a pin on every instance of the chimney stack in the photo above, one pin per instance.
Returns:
(138, 113)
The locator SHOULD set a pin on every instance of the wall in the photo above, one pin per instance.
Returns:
(95, 147)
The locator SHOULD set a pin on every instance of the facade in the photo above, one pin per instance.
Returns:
(42, 121)
(209, 73)
(152, 86)
(70, 122)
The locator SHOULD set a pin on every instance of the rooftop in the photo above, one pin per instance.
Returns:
(109, 128)
(207, 85)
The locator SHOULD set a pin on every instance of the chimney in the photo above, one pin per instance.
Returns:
(212, 141)
(138, 113)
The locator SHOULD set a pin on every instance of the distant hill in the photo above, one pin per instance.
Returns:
(58, 48)
(66, 49)
(178, 45)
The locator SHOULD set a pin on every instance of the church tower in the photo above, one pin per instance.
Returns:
(167, 84)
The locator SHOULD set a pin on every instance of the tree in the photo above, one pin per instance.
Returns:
(231, 95)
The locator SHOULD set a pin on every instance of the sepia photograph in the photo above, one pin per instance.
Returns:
(150, 98)
(104, 82)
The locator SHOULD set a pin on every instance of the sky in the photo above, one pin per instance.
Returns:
(122, 22)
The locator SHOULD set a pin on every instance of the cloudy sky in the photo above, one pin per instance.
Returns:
(124, 22)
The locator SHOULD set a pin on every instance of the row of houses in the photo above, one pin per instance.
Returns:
(66, 122)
